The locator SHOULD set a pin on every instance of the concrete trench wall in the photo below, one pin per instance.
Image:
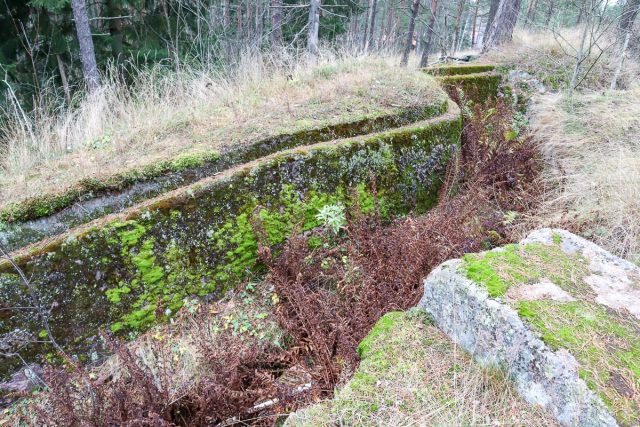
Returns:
(129, 270)
(51, 214)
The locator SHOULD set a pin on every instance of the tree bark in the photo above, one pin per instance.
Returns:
(314, 27)
(424, 60)
(412, 27)
(503, 24)
(531, 12)
(625, 27)
(490, 17)
(115, 29)
(475, 23)
(87, 53)
(63, 78)
(456, 28)
(276, 22)
(371, 24)
(552, 5)
(583, 6)
(226, 14)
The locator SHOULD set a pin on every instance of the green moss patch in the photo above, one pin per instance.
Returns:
(513, 265)
(605, 343)
(411, 374)
(459, 69)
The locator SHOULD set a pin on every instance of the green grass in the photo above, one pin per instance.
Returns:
(411, 374)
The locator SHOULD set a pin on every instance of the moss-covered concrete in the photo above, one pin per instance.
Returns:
(459, 69)
(469, 82)
(604, 341)
(134, 268)
(191, 167)
(472, 87)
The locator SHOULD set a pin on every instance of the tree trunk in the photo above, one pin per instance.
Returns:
(371, 24)
(552, 5)
(314, 27)
(390, 24)
(583, 5)
(464, 31)
(503, 24)
(458, 24)
(475, 23)
(580, 58)
(115, 29)
(490, 17)
(87, 53)
(625, 27)
(276, 22)
(63, 78)
(412, 27)
(531, 12)
(239, 20)
(430, 30)
(226, 14)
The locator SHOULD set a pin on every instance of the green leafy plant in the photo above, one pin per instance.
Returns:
(332, 217)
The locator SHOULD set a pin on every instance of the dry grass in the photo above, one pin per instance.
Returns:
(551, 58)
(591, 145)
(411, 374)
(166, 113)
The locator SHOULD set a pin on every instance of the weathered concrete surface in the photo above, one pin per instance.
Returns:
(495, 334)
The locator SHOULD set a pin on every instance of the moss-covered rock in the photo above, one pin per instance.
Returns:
(134, 268)
(556, 312)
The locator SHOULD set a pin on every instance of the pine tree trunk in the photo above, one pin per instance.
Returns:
(625, 28)
(226, 14)
(63, 78)
(490, 17)
(583, 5)
(412, 26)
(115, 29)
(276, 22)
(371, 24)
(456, 28)
(87, 53)
(430, 30)
(314, 26)
(503, 24)
(475, 24)
(552, 5)
(531, 12)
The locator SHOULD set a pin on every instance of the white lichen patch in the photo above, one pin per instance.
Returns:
(544, 289)
(615, 282)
